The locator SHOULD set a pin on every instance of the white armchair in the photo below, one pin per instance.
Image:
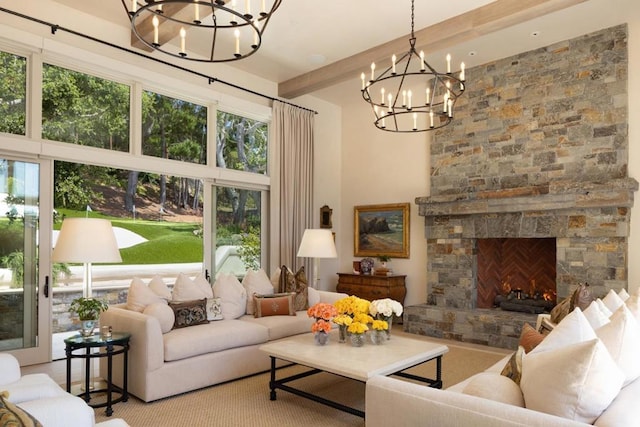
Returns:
(45, 400)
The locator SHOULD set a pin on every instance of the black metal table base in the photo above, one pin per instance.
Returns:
(275, 384)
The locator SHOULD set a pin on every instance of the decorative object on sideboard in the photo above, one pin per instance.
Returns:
(366, 265)
(412, 97)
(211, 30)
(381, 230)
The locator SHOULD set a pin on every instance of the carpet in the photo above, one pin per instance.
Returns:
(245, 402)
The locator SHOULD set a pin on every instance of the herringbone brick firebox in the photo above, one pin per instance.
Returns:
(538, 149)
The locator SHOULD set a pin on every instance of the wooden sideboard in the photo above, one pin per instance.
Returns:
(372, 287)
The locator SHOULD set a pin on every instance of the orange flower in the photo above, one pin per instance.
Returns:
(321, 326)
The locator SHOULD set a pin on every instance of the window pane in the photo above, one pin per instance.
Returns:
(84, 110)
(13, 89)
(173, 129)
(238, 247)
(241, 143)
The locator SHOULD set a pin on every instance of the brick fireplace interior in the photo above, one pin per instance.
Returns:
(538, 149)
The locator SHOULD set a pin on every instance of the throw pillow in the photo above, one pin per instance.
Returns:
(274, 305)
(140, 296)
(186, 289)
(612, 301)
(290, 282)
(624, 295)
(161, 289)
(214, 309)
(314, 296)
(256, 282)
(233, 296)
(603, 308)
(189, 313)
(595, 316)
(530, 338)
(572, 329)
(489, 385)
(204, 285)
(164, 314)
(621, 336)
(513, 368)
(577, 381)
(13, 416)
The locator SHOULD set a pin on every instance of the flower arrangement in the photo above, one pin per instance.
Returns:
(351, 305)
(379, 325)
(323, 313)
(385, 308)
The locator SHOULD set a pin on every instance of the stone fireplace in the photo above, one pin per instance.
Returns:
(538, 149)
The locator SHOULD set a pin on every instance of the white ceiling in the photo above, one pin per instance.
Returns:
(304, 35)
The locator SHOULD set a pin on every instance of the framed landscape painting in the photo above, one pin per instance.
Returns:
(381, 230)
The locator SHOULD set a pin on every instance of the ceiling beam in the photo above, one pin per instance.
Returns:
(484, 20)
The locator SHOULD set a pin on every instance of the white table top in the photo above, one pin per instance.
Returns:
(358, 363)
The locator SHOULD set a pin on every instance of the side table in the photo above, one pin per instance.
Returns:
(109, 347)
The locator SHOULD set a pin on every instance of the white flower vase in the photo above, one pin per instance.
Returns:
(357, 340)
(389, 320)
(321, 338)
(378, 337)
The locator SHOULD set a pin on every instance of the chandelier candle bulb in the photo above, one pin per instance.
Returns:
(255, 35)
(409, 100)
(382, 96)
(263, 9)
(236, 33)
(404, 98)
(450, 108)
(431, 118)
(422, 61)
(362, 77)
(390, 97)
(134, 6)
(462, 72)
(196, 18)
(247, 8)
(159, 9)
(428, 100)
(448, 64)
(183, 43)
(415, 121)
(393, 64)
(155, 23)
(373, 68)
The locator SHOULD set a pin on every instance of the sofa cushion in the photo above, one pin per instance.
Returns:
(189, 313)
(577, 381)
(572, 329)
(140, 296)
(274, 305)
(186, 289)
(12, 416)
(621, 336)
(295, 282)
(612, 301)
(163, 313)
(256, 282)
(211, 337)
(496, 387)
(595, 316)
(233, 295)
(283, 326)
(602, 306)
(513, 368)
(160, 288)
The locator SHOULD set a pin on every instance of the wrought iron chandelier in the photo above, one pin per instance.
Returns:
(410, 95)
(231, 30)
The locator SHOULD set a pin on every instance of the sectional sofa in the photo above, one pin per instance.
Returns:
(165, 361)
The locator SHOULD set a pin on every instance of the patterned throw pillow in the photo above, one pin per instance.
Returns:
(513, 368)
(214, 309)
(11, 415)
(189, 313)
(274, 305)
(530, 338)
(297, 283)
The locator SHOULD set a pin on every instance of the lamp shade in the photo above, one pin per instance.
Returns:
(317, 243)
(86, 240)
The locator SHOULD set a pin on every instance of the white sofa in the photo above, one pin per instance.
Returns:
(46, 401)
(185, 359)
(392, 401)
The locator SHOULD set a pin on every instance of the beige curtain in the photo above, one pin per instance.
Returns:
(293, 136)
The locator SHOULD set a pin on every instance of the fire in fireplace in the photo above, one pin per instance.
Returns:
(517, 274)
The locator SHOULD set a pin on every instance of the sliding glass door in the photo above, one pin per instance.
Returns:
(24, 303)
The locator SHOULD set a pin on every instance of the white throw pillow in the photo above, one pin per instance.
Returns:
(612, 301)
(624, 295)
(633, 304)
(605, 310)
(186, 289)
(163, 313)
(577, 381)
(313, 296)
(256, 282)
(204, 285)
(493, 386)
(572, 329)
(621, 337)
(233, 295)
(158, 286)
(595, 316)
(139, 296)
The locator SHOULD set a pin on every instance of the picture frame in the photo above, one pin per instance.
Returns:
(325, 217)
(381, 230)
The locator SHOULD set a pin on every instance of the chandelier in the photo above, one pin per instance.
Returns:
(410, 95)
(225, 29)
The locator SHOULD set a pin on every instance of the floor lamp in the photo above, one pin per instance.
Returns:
(86, 240)
(317, 243)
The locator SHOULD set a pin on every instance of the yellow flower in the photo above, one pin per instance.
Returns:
(343, 319)
(380, 325)
(358, 328)
(362, 318)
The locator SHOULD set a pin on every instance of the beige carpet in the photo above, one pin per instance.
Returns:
(246, 402)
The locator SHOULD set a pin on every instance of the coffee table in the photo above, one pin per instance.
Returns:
(357, 363)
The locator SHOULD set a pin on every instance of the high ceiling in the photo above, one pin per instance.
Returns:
(307, 35)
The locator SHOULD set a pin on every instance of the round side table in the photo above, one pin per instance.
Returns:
(118, 343)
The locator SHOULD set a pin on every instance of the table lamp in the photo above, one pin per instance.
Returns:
(317, 243)
(86, 240)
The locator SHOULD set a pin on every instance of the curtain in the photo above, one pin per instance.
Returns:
(293, 137)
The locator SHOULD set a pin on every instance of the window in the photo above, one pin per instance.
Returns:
(173, 129)
(82, 109)
(13, 89)
(241, 143)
